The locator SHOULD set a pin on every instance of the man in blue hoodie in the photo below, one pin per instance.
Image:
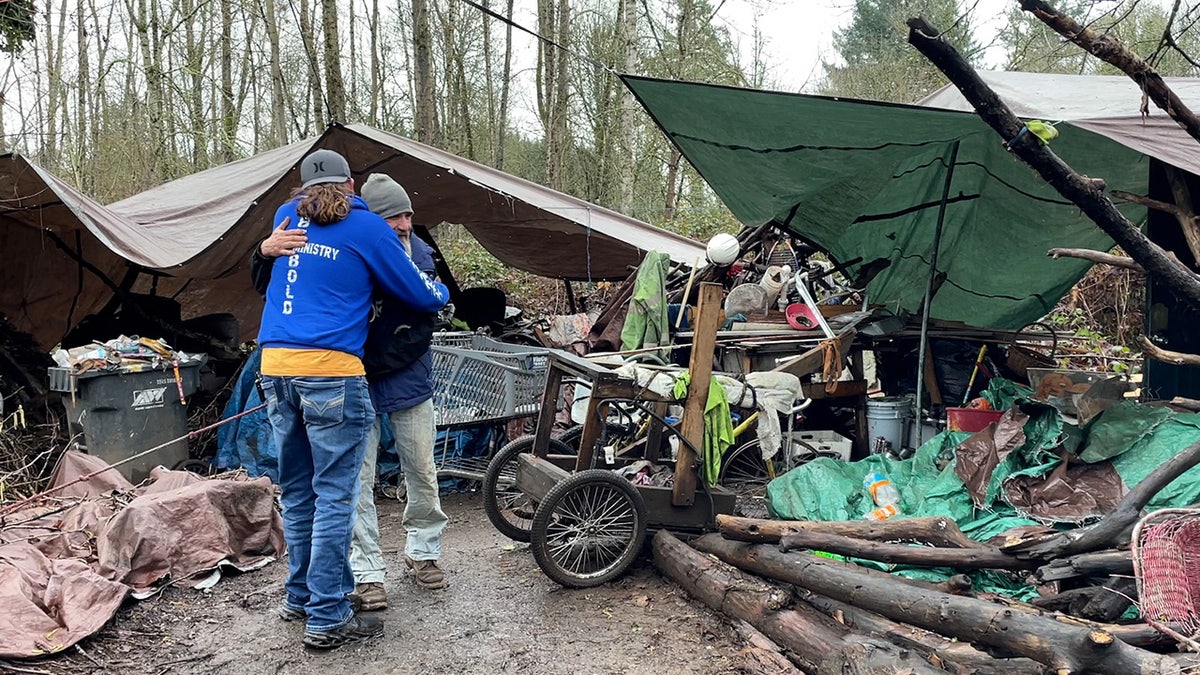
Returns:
(313, 330)
(398, 363)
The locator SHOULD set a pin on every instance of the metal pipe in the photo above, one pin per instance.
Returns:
(933, 261)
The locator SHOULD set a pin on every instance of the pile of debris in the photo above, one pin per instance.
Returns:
(1014, 552)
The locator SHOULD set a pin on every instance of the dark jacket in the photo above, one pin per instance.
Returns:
(398, 361)
(396, 356)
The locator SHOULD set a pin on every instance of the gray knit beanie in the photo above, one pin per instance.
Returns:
(385, 197)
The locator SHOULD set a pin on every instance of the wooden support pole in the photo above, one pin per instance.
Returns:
(704, 338)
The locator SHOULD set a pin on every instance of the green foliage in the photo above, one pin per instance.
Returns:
(16, 25)
(877, 61)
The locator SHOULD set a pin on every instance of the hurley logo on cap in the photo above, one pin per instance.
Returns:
(324, 166)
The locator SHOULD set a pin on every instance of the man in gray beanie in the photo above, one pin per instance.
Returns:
(399, 368)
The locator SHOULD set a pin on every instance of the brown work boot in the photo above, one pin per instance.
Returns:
(427, 573)
(368, 597)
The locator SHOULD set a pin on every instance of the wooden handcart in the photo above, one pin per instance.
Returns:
(586, 524)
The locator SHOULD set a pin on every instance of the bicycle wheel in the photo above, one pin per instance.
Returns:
(589, 529)
(510, 511)
(743, 469)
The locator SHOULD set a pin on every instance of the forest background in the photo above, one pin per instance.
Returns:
(118, 96)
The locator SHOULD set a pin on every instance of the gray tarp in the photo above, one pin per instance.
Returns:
(200, 229)
(1104, 104)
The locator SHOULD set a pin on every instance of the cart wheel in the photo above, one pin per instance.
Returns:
(196, 466)
(510, 511)
(588, 529)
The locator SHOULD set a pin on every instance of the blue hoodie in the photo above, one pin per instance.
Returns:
(320, 298)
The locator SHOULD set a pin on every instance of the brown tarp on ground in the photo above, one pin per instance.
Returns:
(67, 564)
(1070, 493)
(199, 230)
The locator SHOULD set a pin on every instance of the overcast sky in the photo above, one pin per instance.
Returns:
(800, 32)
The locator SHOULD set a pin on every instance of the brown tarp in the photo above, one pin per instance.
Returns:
(1070, 493)
(199, 230)
(68, 563)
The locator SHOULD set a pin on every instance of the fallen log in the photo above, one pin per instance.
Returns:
(1114, 528)
(1104, 603)
(958, 558)
(959, 656)
(938, 531)
(761, 655)
(817, 643)
(1066, 648)
(1087, 564)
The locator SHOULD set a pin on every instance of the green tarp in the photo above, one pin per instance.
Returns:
(865, 180)
(1127, 438)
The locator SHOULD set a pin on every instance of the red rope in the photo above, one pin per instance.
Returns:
(87, 476)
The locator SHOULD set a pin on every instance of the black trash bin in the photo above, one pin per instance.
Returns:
(117, 414)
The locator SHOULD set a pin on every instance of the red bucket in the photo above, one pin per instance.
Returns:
(971, 419)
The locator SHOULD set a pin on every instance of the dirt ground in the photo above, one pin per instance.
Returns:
(499, 615)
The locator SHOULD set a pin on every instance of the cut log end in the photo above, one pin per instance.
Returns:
(1100, 638)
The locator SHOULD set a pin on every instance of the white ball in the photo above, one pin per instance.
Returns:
(723, 249)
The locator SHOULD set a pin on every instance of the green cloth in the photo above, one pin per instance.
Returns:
(864, 180)
(718, 425)
(646, 323)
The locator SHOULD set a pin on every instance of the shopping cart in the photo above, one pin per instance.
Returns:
(481, 382)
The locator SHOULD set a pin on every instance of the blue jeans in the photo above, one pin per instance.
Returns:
(320, 426)
(424, 519)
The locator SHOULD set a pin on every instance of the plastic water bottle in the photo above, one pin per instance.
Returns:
(885, 496)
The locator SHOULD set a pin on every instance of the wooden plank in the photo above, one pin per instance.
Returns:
(549, 409)
(698, 517)
(655, 435)
(813, 360)
(704, 340)
(535, 476)
(931, 383)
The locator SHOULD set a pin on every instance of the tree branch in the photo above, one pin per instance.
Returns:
(1096, 257)
(1110, 50)
(1086, 193)
(1166, 356)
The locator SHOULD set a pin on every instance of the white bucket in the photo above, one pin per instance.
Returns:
(888, 418)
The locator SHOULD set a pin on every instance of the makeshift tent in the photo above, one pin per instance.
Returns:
(198, 231)
(864, 180)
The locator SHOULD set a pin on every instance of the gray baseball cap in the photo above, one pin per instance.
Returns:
(323, 166)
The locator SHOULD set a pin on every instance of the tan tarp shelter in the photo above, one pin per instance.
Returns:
(1103, 104)
(198, 231)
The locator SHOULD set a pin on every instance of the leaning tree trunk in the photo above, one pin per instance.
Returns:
(1068, 649)
(1086, 193)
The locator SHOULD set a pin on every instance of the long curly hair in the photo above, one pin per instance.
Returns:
(324, 203)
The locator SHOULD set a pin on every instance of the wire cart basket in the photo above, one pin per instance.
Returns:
(1166, 562)
(478, 381)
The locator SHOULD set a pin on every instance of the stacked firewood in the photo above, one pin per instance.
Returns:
(831, 616)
